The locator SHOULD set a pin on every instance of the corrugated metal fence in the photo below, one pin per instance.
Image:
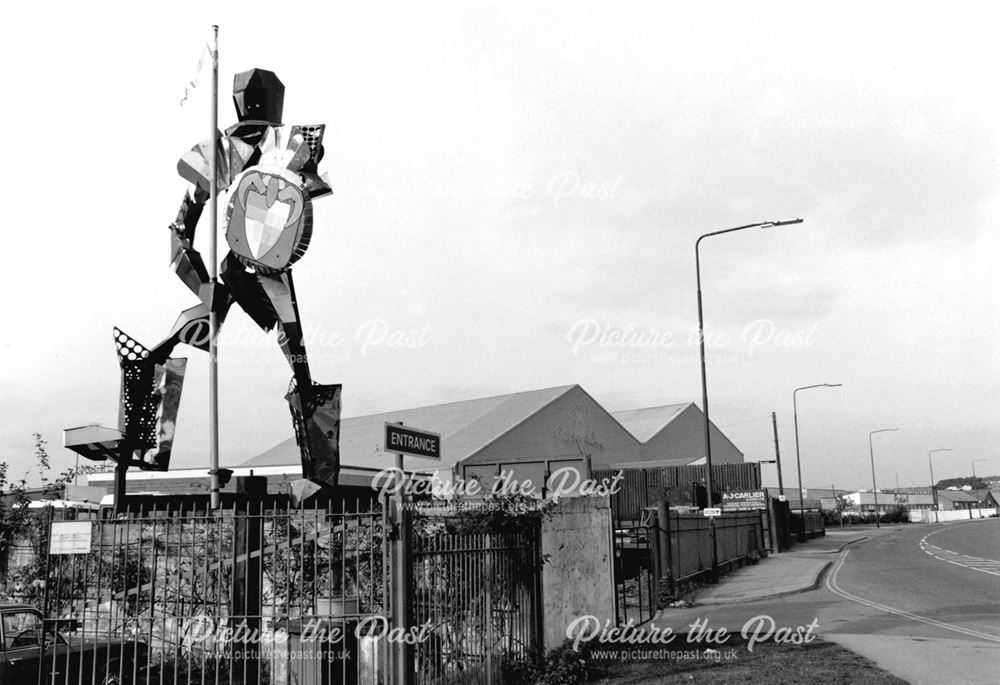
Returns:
(642, 565)
(644, 487)
(737, 537)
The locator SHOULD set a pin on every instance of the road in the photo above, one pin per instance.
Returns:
(922, 601)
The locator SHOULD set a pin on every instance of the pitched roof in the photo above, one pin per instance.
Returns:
(956, 496)
(465, 428)
(645, 423)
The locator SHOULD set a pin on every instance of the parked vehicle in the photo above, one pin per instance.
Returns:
(32, 653)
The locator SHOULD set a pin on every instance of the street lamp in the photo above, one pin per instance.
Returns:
(871, 452)
(974, 462)
(931, 465)
(701, 333)
(704, 382)
(795, 416)
(777, 454)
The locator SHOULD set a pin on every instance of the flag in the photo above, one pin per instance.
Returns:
(203, 59)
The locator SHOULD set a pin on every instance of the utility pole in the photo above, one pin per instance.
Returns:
(777, 454)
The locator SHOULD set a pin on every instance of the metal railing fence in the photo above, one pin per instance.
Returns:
(255, 593)
(479, 596)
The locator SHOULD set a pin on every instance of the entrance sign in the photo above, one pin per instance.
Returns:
(412, 441)
(712, 512)
(744, 500)
(70, 537)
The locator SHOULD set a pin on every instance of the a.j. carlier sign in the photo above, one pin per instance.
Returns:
(744, 500)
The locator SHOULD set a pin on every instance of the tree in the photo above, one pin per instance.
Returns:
(22, 534)
(976, 483)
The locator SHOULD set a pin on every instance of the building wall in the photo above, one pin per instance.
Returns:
(564, 433)
(683, 441)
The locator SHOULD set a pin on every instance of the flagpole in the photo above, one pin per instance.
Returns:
(213, 319)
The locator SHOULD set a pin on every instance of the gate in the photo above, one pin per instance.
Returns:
(635, 568)
(479, 596)
(256, 593)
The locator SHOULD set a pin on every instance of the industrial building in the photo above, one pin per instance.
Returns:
(674, 435)
(528, 435)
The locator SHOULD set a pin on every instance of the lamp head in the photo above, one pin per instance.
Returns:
(787, 222)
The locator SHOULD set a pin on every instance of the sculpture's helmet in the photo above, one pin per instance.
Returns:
(259, 96)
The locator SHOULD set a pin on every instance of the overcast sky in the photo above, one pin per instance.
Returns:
(517, 192)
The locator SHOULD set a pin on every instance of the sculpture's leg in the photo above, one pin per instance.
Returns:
(280, 291)
(316, 417)
(315, 408)
(150, 396)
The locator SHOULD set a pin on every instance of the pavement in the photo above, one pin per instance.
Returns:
(798, 570)
(927, 661)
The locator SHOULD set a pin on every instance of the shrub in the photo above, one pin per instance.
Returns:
(566, 666)
(522, 669)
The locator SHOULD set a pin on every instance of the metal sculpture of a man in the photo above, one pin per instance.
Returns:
(272, 173)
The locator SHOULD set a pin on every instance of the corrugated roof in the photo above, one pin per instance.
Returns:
(645, 423)
(465, 427)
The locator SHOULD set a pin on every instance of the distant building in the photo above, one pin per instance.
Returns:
(674, 435)
(68, 493)
(985, 498)
(922, 490)
(824, 499)
(863, 502)
(956, 499)
(993, 498)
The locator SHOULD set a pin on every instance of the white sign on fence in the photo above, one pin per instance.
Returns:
(70, 537)
(744, 500)
(712, 511)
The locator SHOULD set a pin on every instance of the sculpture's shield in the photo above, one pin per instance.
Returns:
(269, 220)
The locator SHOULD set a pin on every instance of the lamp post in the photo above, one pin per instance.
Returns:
(704, 382)
(930, 464)
(871, 452)
(701, 332)
(974, 462)
(777, 454)
(795, 417)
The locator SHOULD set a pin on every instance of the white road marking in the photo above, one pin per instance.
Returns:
(831, 584)
(991, 566)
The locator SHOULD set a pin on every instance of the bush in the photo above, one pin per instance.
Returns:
(563, 665)
(897, 514)
(566, 666)
(522, 669)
